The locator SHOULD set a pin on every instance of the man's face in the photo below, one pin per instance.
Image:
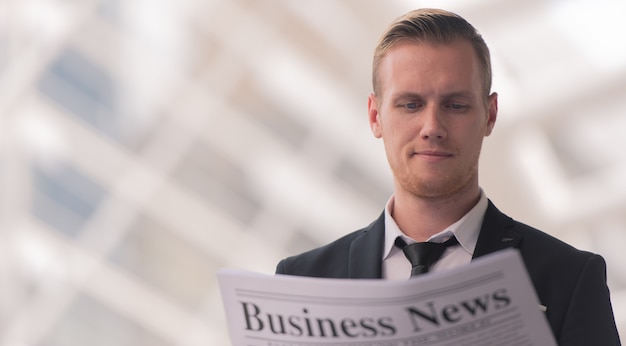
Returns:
(432, 115)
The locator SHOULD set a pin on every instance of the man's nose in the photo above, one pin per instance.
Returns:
(433, 124)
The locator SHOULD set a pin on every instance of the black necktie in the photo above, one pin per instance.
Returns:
(423, 255)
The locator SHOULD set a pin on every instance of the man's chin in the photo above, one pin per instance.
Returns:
(431, 189)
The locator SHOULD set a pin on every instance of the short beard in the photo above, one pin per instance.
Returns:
(441, 188)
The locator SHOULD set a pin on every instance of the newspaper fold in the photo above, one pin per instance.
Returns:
(488, 302)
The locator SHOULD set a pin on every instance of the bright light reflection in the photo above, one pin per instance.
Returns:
(41, 136)
(39, 260)
(49, 20)
(594, 27)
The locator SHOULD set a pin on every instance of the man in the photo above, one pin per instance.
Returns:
(432, 107)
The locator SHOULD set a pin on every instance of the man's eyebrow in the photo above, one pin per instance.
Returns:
(412, 95)
(465, 94)
(406, 95)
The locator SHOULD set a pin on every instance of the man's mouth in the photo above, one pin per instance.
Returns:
(432, 154)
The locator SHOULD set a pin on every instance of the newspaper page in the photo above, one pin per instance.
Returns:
(488, 302)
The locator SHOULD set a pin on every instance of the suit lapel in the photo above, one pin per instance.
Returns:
(496, 233)
(366, 252)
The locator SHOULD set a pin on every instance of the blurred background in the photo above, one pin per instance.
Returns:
(146, 144)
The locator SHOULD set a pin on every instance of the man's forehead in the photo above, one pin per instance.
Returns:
(411, 65)
(418, 50)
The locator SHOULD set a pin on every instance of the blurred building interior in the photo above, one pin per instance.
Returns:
(146, 144)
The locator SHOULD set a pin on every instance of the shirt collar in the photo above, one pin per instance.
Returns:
(465, 230)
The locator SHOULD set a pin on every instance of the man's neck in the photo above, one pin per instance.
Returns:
(420, 218)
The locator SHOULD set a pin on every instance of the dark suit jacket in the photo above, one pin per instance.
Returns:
(569, 282)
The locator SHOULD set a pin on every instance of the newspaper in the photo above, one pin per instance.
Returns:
(488, 302)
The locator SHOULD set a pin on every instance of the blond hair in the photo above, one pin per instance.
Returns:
(432, 26)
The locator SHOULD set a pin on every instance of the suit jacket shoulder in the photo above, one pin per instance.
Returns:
(355, 255)
(547, 258)
(570, 283)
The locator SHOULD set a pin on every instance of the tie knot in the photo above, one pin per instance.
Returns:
(424, 254)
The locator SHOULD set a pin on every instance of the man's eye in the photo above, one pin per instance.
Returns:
(411, 105)
(457, 106)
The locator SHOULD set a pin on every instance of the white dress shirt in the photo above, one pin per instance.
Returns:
(466, 229)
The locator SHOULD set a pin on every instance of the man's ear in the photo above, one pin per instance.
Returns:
(374, 115)
(492, 113)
